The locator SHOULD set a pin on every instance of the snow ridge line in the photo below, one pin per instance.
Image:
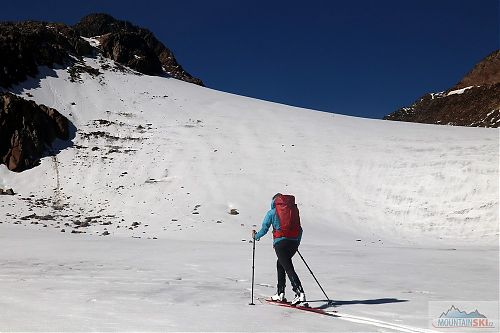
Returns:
(383, 324)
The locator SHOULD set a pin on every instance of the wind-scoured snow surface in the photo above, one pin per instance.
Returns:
(394, 214)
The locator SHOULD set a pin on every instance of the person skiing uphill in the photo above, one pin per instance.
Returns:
(287, 233)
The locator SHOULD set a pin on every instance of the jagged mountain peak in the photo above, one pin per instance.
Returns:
(98, 24)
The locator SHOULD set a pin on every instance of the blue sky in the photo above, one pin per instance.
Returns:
(361, 58)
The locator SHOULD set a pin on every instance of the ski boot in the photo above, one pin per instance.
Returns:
(300, 297)
(280, 295)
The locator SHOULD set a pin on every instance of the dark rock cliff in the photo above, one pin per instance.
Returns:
(27, 130)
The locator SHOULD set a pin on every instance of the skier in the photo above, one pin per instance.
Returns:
(287, 233)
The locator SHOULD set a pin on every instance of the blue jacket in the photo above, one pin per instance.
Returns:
(271, 218)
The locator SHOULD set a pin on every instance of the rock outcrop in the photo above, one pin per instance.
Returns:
(26, 45)
(132, 46)
(131, 50)
(26, 130)
(474, 101)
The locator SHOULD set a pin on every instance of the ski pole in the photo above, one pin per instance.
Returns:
(328, 298)
(253, 263)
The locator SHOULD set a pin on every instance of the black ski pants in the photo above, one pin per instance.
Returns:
(285, 250)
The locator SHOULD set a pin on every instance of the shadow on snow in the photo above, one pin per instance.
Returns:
(335, 303)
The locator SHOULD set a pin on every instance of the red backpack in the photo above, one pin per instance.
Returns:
(288, 215)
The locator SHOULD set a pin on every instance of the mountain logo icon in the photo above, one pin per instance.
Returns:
(454, 312)
(456, 318)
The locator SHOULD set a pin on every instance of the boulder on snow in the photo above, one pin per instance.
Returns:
(6, 192)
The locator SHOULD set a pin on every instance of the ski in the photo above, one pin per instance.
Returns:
(304, 307)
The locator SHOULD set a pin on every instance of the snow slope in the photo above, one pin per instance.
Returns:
(166, 161)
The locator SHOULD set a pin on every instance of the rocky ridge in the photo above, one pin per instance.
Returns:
(26, 45)
(474, 101)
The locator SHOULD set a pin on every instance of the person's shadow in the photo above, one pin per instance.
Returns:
(336, 303)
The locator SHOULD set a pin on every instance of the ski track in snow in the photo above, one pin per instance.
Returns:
(367, 321)
(382, 324)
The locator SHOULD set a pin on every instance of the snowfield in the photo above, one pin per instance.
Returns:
(394, 214)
